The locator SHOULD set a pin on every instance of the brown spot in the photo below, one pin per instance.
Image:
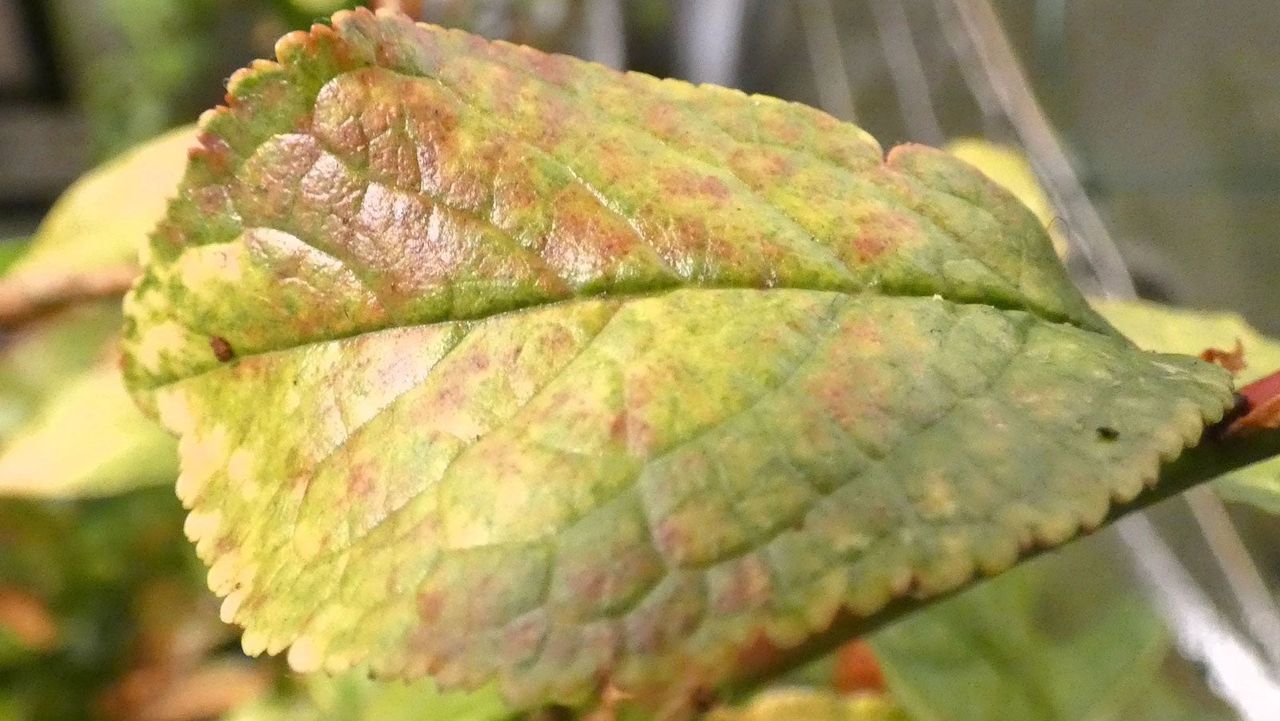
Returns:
(213, 150)
(857, 669)
(703, 699)
(430, 606)
(1107, 433)
(881, 232)
(1232, 360)
(25, 617)
(222, 350)
(684, 183)
(360, 481)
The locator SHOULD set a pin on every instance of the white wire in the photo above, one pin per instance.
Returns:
(1237, 673)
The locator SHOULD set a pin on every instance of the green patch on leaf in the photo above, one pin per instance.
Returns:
(489, 364)
(1172, 330)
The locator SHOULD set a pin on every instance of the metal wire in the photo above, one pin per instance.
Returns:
(826, 58)
(910, 83)
(1239, 675)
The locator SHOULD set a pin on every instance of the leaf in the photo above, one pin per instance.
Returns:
(801, 704)
(39, 358)
(59, 381)
(350, 697)
(60, 387)
(1010, 168)
(1058, 639)
(116, 447)
(1174, 330)
(87, 246)
(11, 249)
(492, 364)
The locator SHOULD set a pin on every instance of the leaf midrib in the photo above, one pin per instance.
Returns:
(620, 297)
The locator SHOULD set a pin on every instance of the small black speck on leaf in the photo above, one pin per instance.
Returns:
(1107, 433)
(221, 348)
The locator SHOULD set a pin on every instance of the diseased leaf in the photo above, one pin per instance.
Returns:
(1173, 330)
(493, 364)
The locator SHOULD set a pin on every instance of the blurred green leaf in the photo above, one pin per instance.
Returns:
(1049, 641)
(352, 697)
(802, 704)
(42, 356)
(11, 249)
(1174, 330)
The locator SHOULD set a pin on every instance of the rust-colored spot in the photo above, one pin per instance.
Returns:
(857, 669)
(221, 348)
(26, 618)
(1231, 360)
(430, 606)
(213, 151)
(880, 233)
(360, 480)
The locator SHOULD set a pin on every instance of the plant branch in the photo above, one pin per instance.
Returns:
(29, 296)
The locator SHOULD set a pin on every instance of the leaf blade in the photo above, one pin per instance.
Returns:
(482, 372)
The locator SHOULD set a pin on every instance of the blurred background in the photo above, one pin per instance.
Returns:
(1163, 160)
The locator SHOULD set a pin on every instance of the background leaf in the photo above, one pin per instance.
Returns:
(800, 704)
(60, 383)
(1053, 640)
(104, 218)
(351, 697)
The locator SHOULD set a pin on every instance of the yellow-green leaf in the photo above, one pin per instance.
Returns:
(60, 383)
(86, 439)
(87, 247)
(1173, 330)
(103, 219)
(489, 364)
